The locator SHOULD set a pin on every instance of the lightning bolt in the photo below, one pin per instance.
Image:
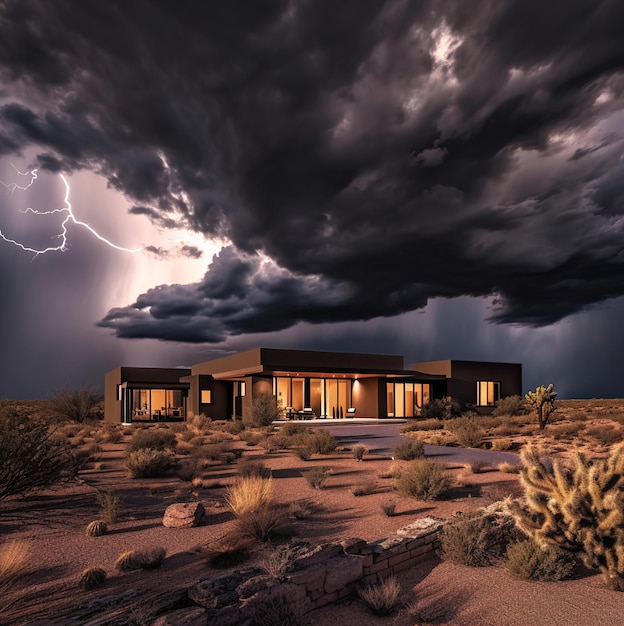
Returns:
(69, 217)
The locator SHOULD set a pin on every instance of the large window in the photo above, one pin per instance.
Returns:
(488, 392)
(156, 404)
(327, 397)
(406, 399)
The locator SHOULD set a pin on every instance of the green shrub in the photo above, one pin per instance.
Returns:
(264, 410)
(92, 578)
(527, 561)
(153, 439)
(147, 463)
(382, 598)
(475, 539)
(423, 479)
(409, 450)
(510, 405)
(466, 430)
(440, 408)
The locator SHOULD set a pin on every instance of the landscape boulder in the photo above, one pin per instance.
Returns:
(183, 515)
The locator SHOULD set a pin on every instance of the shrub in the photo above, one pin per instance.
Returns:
(475, 539)
(605, 435)
(476, 466)
(502, 444)
(140, 559)
(364, 489)
(304, 453)
(30, 456)
(249, 493)
(111, 433)
(198, 424)
(388, 508)
(247, 467)
(359, 452)
(76, 404)
(320, 442)
(260, 524)
(229, 553)
(409, 450)
(152, 439)
(92, 578)
(13, 559)
(423, 479)
(466, 430)
(147, 463)
(278, 610)
(302, 509)
(276, 561)
(528, 561)
(293, 428)
(187, 470)
(510, 468)
(440, 408)
(264, 410)
(110, 504)
(384, 597)
(577, 507)
(96, 528)
(423, 424)
(510, 405)
(316, 476)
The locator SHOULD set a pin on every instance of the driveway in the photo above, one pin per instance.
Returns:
(382, 438)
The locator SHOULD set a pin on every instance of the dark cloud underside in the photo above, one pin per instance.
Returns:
(360, 157)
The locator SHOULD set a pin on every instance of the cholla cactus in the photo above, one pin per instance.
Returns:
(577, 506)
(543, 401)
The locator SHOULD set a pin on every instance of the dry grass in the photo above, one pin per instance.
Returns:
(140, 559)
(92, 578)
(249, 493)
(96, 528)
(364, 488)
(316, 476)
(423, 479)
(13, 559)
(382, 598)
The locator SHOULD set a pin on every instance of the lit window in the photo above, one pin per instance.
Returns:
(488, 392)
(206, 396)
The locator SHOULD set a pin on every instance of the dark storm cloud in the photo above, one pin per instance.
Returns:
(361, 157)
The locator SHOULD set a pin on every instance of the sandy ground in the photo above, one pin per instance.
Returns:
(53, 524)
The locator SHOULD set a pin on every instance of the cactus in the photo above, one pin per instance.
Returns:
(91, 578)
(577, 506)
(543, 401)
(96, 528)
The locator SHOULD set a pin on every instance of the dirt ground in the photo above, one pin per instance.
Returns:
(53, 524)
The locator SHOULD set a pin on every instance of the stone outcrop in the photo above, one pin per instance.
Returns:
(183, 515)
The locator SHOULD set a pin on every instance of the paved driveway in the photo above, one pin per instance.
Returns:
(382, 438)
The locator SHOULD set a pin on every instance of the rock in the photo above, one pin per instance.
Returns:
(421, 527)
(183, 515)
(214, 593)
(341, 571)
(190, 616)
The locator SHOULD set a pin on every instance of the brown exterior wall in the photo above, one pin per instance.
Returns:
(365, 397)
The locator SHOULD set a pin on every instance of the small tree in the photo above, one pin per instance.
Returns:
(76, 404)
(577, 507)
(264, 410)
(30, 457)
(542, 400)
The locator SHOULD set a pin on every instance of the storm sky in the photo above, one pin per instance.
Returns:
(437, 179)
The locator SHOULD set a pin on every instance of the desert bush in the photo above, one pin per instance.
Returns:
(291, 429)
(250, 438)
(264, 410)
(528, 561)
(140, 559)
(76, 404)
(475, 539)
(316, 476)
(567, 430)
(605, 435)
(477, 466)
(232, 427)
(303, 453)
(320, 442)
(409, 450)
(423, 479)
(502, 444)
(229, 552)
(510, 405)
(249, 493)
(394, 471)
(423, 424)
(276, 561)
(467, 431)
(261, 524)
(92, 578)
(359, 452)
(364, 488)
(96, 528)
(279, 610)
(110, 505)
(13, 560)
(198, 424)
(440, 408)
(302, 509)
(388, 508)
(211, 451)
(110, 433)
(249, 467)
(187, 470)
(576, 506)
(147, 463)
(152, 439)
(30, 456)
(382, 598)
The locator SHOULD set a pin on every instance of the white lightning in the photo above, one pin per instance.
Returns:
(62, 236)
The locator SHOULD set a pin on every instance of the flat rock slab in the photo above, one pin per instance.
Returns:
(183, 515)
(190, 616)
(421, 527)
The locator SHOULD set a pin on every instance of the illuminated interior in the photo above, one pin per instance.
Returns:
(488, 392)
(156, 404)
(327, 397)
(406, 399)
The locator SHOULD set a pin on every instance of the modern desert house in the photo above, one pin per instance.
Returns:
(306, 383)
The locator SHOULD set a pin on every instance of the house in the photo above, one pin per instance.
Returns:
(306, 383)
